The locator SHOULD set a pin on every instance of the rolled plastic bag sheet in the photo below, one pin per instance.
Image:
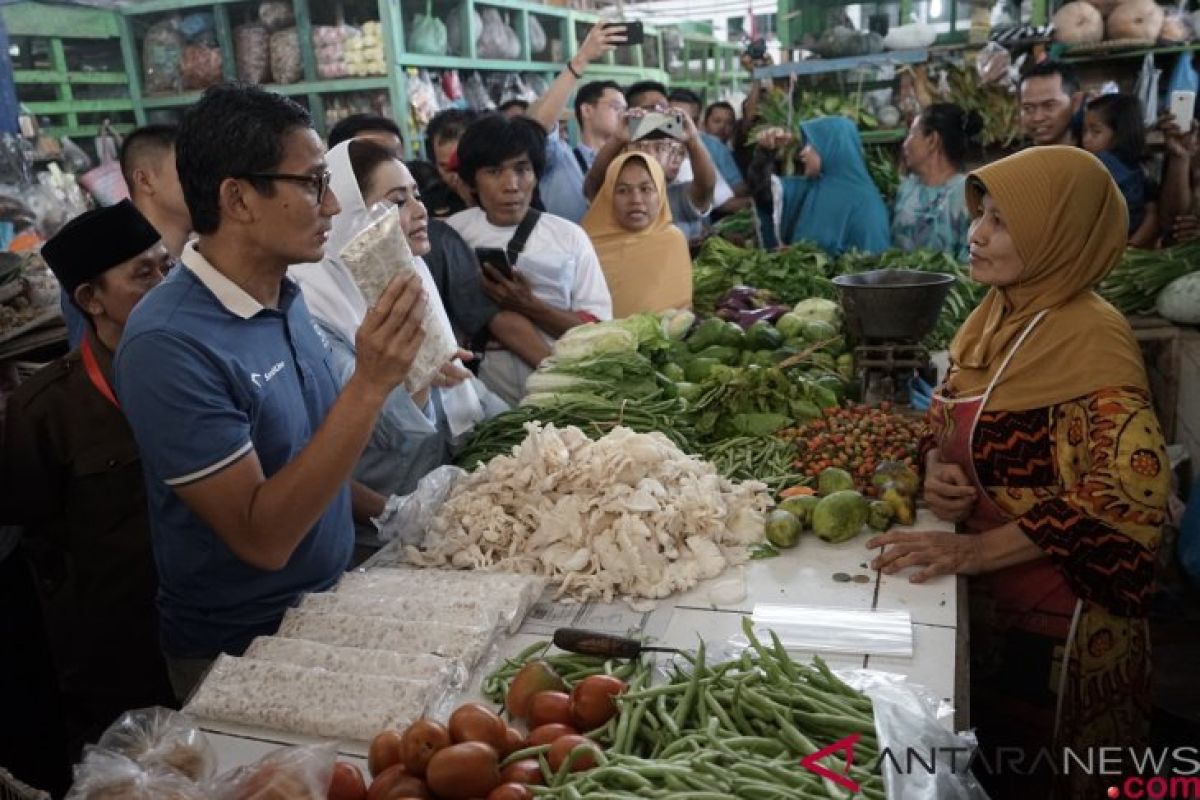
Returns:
(376, 255)
(407, 517)
(297, 773)
(920, 758)
(159, 738)
(537, 35)
(817, 629)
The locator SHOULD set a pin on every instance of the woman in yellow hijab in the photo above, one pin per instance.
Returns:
(1047, 452)
(644, 256)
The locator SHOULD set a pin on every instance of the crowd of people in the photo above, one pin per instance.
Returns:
(232, 418)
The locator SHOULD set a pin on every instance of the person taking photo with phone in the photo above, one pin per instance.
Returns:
(561, 185)
(670, 138)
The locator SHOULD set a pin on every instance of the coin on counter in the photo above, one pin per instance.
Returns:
(862, 579)
(841, 577)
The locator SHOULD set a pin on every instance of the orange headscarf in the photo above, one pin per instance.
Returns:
(650, 270)
(1068, 222)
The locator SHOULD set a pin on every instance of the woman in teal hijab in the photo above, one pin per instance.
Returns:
(835, 203)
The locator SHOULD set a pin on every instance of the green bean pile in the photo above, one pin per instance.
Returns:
(570, 667)
(755, 458)
(732, 730)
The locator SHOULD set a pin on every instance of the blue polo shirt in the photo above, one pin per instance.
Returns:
(205, 375)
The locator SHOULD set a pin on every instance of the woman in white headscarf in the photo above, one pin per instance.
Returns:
(414, 434)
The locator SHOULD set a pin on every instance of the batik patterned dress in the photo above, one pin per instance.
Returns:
(1087, 481)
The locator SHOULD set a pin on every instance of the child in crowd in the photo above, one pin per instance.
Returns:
(1114, 133)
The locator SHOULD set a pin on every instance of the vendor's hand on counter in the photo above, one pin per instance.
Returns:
(936, 553)
(511, 294)
(948, 491)
(391, 334)
(451, 375)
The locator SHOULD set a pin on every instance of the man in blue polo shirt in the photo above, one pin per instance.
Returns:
(246, 445)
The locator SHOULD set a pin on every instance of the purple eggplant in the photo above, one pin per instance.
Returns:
(771, 313)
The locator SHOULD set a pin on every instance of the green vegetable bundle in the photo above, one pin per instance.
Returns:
(767, 459)
(732, 729)
(881, 163)
(758, 401)
(791, 275)
(609, 375)
(1134, 285)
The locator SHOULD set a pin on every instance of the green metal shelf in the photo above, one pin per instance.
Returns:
(289, 89)
(32, 76)
(60, 26)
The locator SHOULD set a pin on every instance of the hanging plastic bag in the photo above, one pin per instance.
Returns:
(476, 94)
(497, 40)
(285, 56)
(422, 98)
(537, 35)
(297, 773)
(1147, 90)
(428, 33)
(252, 52)
(162, 52)
(199, 28)
(374, 257)
(455, 34)
(201, 66)
(276, 14)
(159, 738)
(452, 85)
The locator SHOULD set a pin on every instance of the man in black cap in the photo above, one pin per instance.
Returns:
(73, 478)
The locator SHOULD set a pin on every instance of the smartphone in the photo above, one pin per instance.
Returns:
(1183, 108)
(634, 34)
(496, 258)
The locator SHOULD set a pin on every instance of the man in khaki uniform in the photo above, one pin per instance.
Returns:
(73, 479)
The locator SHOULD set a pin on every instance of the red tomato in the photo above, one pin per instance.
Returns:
(384, 752)
(347, 783)
(592, 700)
(526, 771)
(562, 748)
(394, 783)
(474, 722)
(514, 740)
(547, 734)
(546, 708)
(510, 791)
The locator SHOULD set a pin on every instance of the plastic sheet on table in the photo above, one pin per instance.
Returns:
(819, 629)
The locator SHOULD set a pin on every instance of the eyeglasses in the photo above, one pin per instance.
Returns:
(662, 149)
(319, 183)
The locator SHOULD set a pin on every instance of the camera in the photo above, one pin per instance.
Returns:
(757, 49)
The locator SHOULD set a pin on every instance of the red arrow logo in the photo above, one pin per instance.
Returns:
(846, 745)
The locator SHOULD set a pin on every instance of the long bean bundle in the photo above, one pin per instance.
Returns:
(730, 730)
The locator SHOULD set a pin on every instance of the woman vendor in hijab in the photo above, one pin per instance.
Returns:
(833, 203)
(643, 255)
(1046, 448)
(414, 433)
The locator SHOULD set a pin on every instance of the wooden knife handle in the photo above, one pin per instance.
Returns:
(592, 643)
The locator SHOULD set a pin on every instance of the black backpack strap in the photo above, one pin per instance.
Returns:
(521, 237)
(583, 165)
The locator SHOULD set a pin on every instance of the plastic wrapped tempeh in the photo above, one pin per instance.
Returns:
(354, 660)
(466, 644)
(509, 594)
(307, 700)
(377, 254)
(448, 611)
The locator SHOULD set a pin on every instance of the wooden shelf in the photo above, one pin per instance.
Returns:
(1136, 52)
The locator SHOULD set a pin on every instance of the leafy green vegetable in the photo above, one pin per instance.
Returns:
(583, 341)
(1134, 285)
(791, 274)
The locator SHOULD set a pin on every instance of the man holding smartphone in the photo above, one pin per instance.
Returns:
(561, 185)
